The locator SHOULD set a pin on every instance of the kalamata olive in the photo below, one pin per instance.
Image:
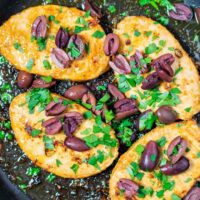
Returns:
(39, 27)
(137, 59)
(151, 81)
(60, 57)
(173, 169)
(139, 122)
(163, 67)
(166, 115)
(52, 126)
(193, 194)
(76, 92)
(111, 44)
(89, 98)
(125, 108)
(71, 122)
(76, 144)
(62, 38)
(93, 8)
(75, 44)
(182, 12)
(115, 92)
(39, 83)
(150, 157)
(129, 187)
(24, 79)
(120, 65)
(55, 108)
(197, 14)
(180, 145)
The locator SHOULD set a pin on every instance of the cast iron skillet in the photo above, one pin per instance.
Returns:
(14, 163)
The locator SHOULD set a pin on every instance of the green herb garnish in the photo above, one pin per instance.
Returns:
(74, 168)
(98, 34)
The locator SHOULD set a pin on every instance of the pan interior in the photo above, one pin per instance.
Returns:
(12, 159)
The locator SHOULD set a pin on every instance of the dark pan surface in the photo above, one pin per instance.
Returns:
(12, 160)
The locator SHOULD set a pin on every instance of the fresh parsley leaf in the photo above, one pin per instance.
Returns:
(162, 141)
(46, 64)
(112, 9)
(137, 33)
(109, 116)
(30, 64)
(147, 121)
(41, 42)
(188, 109)
(74, 51)
(50, 177)
(48, 142)
(74, 168)
(18, 47)
(33, 171)
(175, 197)
(98, 34)
(58, 163)
(47, 79)
(88, 115)
(152, 48)
(35, 132)
(139, 149)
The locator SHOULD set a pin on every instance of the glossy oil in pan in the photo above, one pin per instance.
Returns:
(14, 163)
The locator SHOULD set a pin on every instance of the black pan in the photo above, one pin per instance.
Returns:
(13, 163)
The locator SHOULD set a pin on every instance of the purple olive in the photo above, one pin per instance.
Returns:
(39, 27)
(120, 65)
(93, 8)
(137, 59)
(182, 12)
(125, 108)
(52, 126)
(24, 79)
(111, 44)
(39, 83)
(181, 146)
(193, 194)
(173, 169)
(197, 14)
(89, 98)
(76, 92)
(115, 92)
(163, 67)
(60, 57)
(151, 81)
(166, 115)
(55, 108)
(76, 144)
(62, 38)
(150, 157)
(129, 187)
(71, 122)
(75, 43)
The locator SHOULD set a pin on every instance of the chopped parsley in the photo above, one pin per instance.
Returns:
(198, 155)
(58, 163)
(18, 47)
(50, 177)
(35, 132)
(162, 141)
(147, 121)
(74, 168)
(112, 9)
(188, 109)
(46, 64)
(139, 149)
(109, 115)
(88, 115)
(38, 97)
(137, 33)
(33, 171)
(74, 51)
(175, 197)
(81, 21)
(152, 48)
(49, 144)
(47, 79)
(41, 42)
(133, 171)
(95, 160)
(98, 34)
(30, 64)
